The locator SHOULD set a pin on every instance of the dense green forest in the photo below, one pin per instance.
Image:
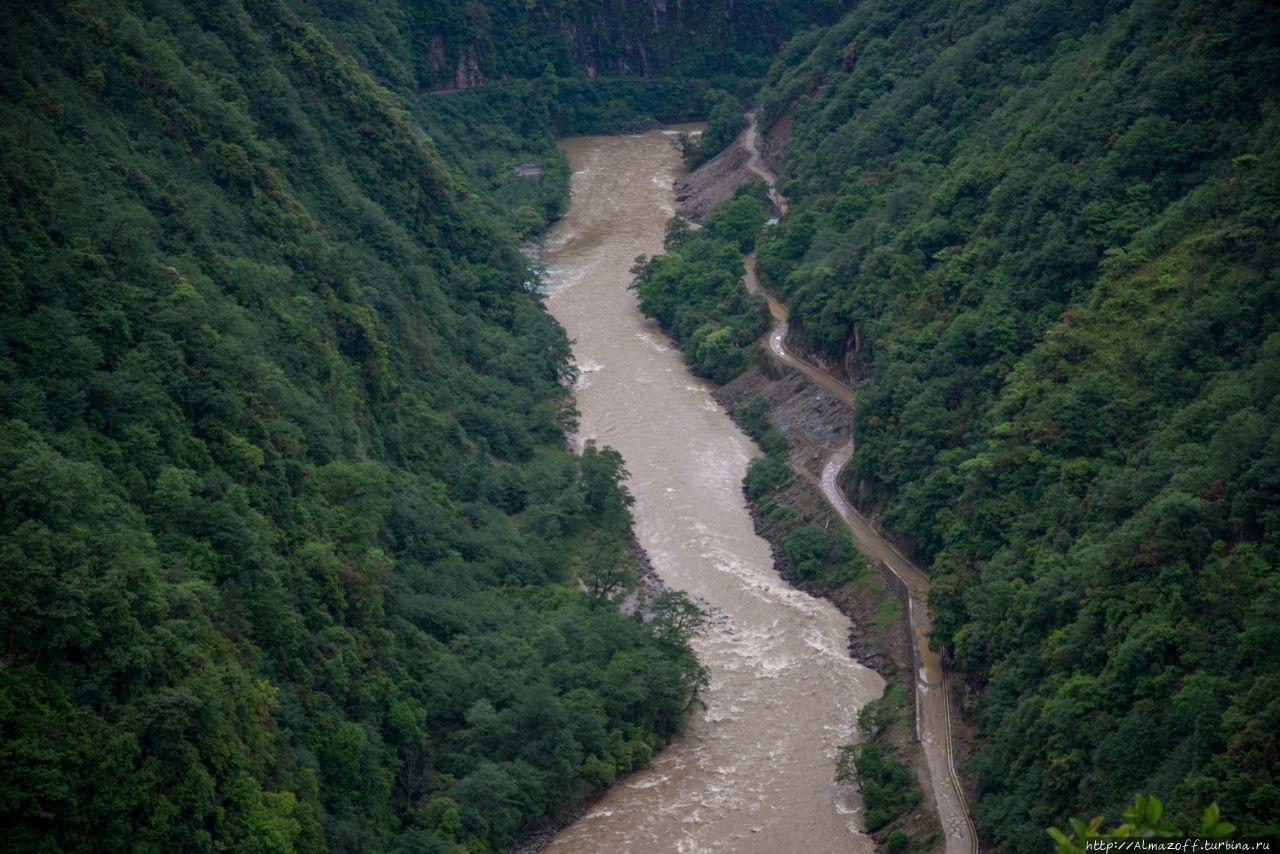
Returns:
(888, 786)
(690, 39)
(1043, 239)
(694, 288)
(295, 556)
(290, 536)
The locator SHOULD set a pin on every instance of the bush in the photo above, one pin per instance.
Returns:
(764, 475)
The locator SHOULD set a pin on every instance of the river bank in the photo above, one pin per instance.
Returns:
(815, 424)
(754, 770)
(744, 160)
(893, 639)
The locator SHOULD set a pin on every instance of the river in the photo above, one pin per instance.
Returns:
(754, 772)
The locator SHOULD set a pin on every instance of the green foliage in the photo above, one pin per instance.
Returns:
(695, 39)
(675, 619)
(608, 571)
(288, 527)
(696, 292)
(738, 220)
(602, 471)
(725, 120)
(289, 535)
(1142, 821)
(887, 783)
(610, 105)
(1044, 239)
(486, 133)
(754, 416)
(889, 709)
(766, 475)
(888, 786)
(814, 553)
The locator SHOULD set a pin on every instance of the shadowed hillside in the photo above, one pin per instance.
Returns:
(1043, 240)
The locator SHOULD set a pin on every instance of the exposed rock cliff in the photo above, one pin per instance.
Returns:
(718, 178)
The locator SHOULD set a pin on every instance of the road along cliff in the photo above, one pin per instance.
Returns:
(933, 723)
(753, 770)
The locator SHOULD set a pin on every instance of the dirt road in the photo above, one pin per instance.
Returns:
(933, 711)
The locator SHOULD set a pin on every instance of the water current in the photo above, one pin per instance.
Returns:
(754, 772)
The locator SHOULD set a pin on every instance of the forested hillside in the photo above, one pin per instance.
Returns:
(290, 540)
(1043, 238)
(462, 43)
(289, 533)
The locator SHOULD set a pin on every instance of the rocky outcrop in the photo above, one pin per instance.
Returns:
(712, 182)
(718, 178)
(465, 74)
(773, 141)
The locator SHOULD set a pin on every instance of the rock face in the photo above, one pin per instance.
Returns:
(718, 178)
(531, 169)
(712, 183)
(773, 141)
(466, 74)
(813, 420)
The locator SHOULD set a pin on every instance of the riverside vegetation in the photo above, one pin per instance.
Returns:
(1058, 288)
(290, 539)
(695, 290)
(1042, 239)
(287, 514)
(294, 554)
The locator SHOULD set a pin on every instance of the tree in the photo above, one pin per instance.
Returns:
(607, 569)
(1143, 820)
(602, 473)
(674, 618)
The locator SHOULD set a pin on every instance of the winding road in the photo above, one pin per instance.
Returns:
(933, 707)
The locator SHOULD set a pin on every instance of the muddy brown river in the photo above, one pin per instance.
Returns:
(754, 772)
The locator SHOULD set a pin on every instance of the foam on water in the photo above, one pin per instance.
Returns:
(782, 692)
